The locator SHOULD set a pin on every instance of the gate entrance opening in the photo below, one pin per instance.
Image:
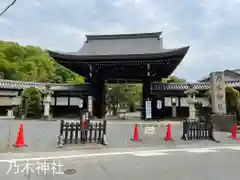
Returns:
(131, 58)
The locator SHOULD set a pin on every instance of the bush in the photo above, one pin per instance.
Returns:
(31, 105)
(132, 107)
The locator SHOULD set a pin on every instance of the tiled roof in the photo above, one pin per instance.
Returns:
(235, 73)
(18, 85)
(121, 47)
(184, 86)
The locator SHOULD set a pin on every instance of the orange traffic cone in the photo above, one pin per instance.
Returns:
(135, 133)
(168, 136)
(20, 138)
(234, 133)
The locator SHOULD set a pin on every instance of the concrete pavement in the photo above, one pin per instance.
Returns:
(42, 136)
(191, 162)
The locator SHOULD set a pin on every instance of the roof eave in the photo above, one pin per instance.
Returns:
(178, 52)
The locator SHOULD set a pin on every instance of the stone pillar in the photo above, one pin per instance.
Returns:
(192, 110)
(217, 86)
(16, 101)
(99, 100)
(174, 107)
(46, 108)
(174, 111)
(191, 96)
(47, 102)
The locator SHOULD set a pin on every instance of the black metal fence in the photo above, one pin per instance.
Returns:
(82, 132)
(198, 130)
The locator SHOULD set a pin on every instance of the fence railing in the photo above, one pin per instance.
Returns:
(197, 130)
(82, 132)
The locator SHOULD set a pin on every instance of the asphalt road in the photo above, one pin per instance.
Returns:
(191, 163)
(42, 136)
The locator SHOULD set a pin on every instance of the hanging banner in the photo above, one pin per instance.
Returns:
(148, 106)
(90, 105)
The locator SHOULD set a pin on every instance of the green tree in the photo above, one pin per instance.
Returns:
(123, 94)
(130, 94)
(31, 104)
(173, 79)
(30, 63)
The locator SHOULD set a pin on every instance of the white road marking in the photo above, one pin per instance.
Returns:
(235, 148)
(144, 154)
(201, 150)
(65, 157)
(85, 155)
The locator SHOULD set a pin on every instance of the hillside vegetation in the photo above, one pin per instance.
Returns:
(30, 63)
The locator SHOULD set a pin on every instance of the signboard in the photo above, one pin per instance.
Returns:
(148, 106)
(159, 104)
(149, 130)
(218, 93)
(90, 106)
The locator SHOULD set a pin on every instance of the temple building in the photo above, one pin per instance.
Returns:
(229, 75)
(69, 100)
(122, 58)
(138, 58)
(66, 100)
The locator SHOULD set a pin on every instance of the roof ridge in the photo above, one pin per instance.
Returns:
(123, 36)
(234, 69)
(198, 86)
(33, 82)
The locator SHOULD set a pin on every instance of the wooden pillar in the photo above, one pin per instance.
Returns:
(85, 102)
(99, 100)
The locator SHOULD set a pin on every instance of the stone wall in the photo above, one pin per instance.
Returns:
(223, 123)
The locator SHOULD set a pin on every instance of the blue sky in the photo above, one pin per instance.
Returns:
(210, 27)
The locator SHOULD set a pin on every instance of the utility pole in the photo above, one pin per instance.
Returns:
(7, 7)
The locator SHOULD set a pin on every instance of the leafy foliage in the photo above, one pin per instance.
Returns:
(129, 94)
(30, 63)
(173, 79)
(31, 105)
(123, 94)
